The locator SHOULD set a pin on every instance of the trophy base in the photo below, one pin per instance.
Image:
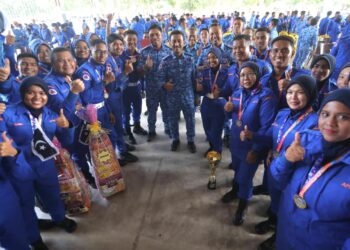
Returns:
(211, 185)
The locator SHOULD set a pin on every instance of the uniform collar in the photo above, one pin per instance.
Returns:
(21, 109)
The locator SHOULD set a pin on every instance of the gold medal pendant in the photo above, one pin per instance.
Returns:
(299, 201)
(239, 123)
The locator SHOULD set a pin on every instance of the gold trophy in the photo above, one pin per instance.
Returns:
(214, 158)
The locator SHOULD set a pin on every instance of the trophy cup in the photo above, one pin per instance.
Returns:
(213, 159)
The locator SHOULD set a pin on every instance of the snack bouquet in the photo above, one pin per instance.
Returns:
(108, 175)
(75, 192)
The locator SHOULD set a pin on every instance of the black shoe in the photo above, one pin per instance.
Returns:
(269, 244)
(146, 113)
(151, 136)
(260, 190)
(39, 245)
(122, 162)
(139, 130)
(175, 145)
(265, 226)
(229, 196)
(129, 147)
(192, 147)
(132, 139)
(226, 141)
(68, 225)
(128, 157)
(240, 213)
(45, 224)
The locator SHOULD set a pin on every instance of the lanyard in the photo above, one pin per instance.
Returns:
(241, 109)
(318, 174)
(215, 79)
(35, 122)
(280, 138)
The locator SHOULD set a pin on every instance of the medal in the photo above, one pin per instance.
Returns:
(239, 123)
(299, 201)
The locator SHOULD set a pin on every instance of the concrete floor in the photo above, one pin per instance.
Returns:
(166, 205)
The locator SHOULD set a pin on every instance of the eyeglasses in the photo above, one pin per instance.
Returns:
(248, 75)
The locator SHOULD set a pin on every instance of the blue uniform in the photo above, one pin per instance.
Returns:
(9, 90)
(29, 175)
(327, 86)
(92, 75)
(258, 113)
(180, 70)
(284, 120)
(265, 56)
(212, 110)
(269, 80)
(264, 22)
(325, 223)
(307, 42)
(325, 23)
(155, 94)
(12, 232)
(132, 100)
(341, 52)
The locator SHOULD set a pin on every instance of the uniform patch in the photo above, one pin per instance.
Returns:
(346, 185)
(18, 124)
(53, 120)
(86, 76)
(52, 92)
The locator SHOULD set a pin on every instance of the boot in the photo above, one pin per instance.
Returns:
(232, 194)
(191, 147)
(267, 225)
(138, 129)
(68, 225)
(45, 224)
(240, 213)
(39, 245)
(269, 244)
(175, 145)
(260, 190)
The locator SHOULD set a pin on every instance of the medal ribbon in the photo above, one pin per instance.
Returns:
(280, 140)
(215, 79)
(240, 109)
(318, 175)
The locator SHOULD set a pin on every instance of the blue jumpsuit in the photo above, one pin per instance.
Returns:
(325, 223)
(181, 71)
(92, 75)
(155, 94)
(212, 110)
(258, 113)
(29, 175)
(132, 100)
(12, 230)
(307, 41)
(284, 120)
(9, 90)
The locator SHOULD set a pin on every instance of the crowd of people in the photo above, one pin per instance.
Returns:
(258, 95)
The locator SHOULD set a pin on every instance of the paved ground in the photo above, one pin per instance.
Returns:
(166, 205)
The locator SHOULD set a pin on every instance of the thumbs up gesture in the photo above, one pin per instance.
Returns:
(6, 148)
(62, 121)
(149, 63)
(168, 86)
(229, 105)
(128, 68)
(77, 86)
(245, 134)
(2, 108)
(295, 152)
(282, 84)
(5, 71)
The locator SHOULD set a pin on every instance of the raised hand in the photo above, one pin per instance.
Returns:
(229, 105)
(108, 77)
(2, 108)
(128, 68)
(149, 62)
(6, 148)
(77, 86)
(246, 134)
(295, 152)
(5, 71)
(61, 120)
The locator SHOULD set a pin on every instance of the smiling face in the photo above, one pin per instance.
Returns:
(35, 97)
(155, 37)
(82, 50)
(334, 122)
(213, 60)
(131, 42)
(177, 43)
(64, 63)
(44, 54)
(247, 78)
(261, 40)
(100, 53)
(240, 50)
(320, 71)
(296, 97)
(281, 54)
(343, 80)
(27, 66)
(215, 36)
(116, 47)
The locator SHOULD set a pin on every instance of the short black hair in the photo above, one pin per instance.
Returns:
(274, 21)
(176, 32)
(215, 25)
(239, 19)
(313, 21)
(204, 29)
(241, 37)
(284, 38)
(263, 29)
(59, 50)
(155, 26)
(112, 37)
(130, 32)
(98, 41)
(27, 55)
